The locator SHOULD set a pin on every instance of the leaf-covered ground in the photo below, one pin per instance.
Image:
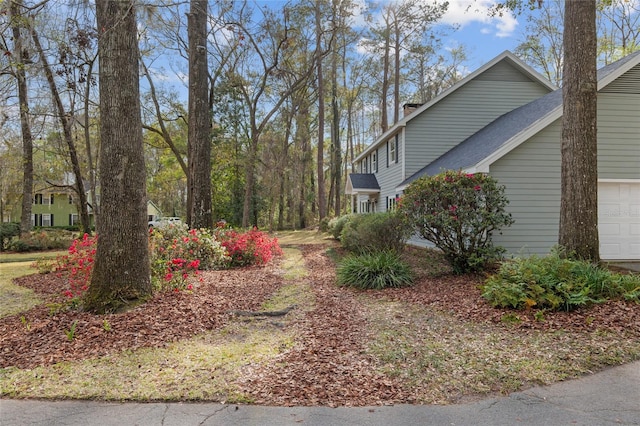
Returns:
(436, 342)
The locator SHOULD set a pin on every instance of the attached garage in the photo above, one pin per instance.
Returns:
(619, 219)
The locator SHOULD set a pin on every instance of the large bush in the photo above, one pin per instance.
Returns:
(458, 213)
(252, 247)
(50, 239)
(8, 230)
(556, 282)
(383, 269)
(370, 232)
(337, 224)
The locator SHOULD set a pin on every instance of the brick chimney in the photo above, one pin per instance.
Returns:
(409, 108)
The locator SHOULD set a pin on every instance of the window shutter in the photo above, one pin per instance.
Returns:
(387, 153)
(51, 213)
(51, 199)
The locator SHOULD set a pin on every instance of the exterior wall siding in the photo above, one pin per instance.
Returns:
(461, 114)
(619, 135)
(531, 175)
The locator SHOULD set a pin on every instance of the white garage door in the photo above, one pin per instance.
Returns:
(619, 220)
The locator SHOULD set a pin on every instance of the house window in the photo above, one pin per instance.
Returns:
(47, 219)
(374, 161)
(392, 147)
(70, 199)
(73, 219)
(392, 203)
(37, 199)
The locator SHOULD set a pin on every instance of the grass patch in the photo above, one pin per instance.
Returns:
(31, 256)
(202, 368)
(303, 236)
(445, 360)
(13, 298)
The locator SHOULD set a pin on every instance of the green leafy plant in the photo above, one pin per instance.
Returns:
(8, 230)
(556, 282)
(458, 213)
(365, 233)
(71, 333)
(25, 322)
(337, 224)
(377, 270)
(106, 325)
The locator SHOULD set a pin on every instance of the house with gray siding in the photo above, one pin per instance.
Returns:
(505, 120)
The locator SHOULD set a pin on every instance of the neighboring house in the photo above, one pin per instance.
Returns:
(153, 211)
(505, 120)
(57, 207)
(54, 207)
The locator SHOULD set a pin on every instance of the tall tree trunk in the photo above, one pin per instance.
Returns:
(249, 183)
(121, 270)
(337, 145)
(396, 71)
(65, 123)
(384, 116)
(322, 204)
(88, 147)
(25, 126)
(199, 177)
(579, 171)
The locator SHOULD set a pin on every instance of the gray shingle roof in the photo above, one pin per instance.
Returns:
(496, 134)
(364, 181)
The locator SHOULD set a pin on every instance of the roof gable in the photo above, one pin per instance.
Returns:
(505, 65)
(501, 136)
(365, 183)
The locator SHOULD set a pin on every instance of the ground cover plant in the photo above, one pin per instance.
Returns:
(557, 282)
(438, 341)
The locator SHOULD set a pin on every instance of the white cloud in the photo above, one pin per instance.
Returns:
(464, 12)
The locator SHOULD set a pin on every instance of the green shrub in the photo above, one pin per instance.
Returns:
(8, 230)
(555, 282)
(377, 270)
(177, 254)
(337, 224)
(458, 213)
(42, 240)
(324, 225)
(370, 232)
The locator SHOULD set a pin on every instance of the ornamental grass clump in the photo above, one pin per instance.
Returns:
(374, 271)
(458, 212)
(556, 282)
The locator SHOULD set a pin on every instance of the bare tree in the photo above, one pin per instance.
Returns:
(19, 51)
(65, 122)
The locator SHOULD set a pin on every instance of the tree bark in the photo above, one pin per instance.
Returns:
(121, 269)
(199, 144)
(25, 126)
(578, 232)
(322, 205)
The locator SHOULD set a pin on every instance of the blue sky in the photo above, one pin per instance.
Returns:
(483, 36)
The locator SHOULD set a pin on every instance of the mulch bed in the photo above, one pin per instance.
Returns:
(328, 365)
